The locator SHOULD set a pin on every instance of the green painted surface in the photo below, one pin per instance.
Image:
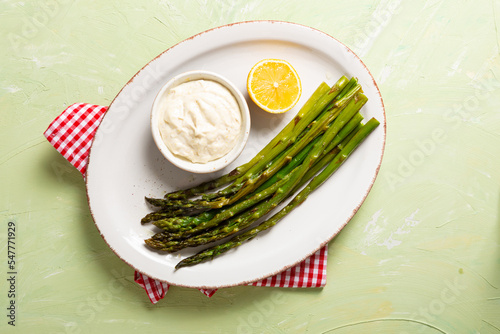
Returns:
(421, 256)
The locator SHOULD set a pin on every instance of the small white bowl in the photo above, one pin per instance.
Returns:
(214, 165)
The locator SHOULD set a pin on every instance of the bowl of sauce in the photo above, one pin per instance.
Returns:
(200, 121)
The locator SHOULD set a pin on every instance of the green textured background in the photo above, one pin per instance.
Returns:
(422, 255)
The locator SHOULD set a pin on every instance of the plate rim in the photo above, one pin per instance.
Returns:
(320, 245)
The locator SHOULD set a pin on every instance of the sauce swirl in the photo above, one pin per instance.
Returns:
(201, 121)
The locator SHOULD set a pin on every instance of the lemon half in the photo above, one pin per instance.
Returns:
(274, 85)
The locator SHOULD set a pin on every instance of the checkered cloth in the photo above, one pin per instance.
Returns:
(71, 134)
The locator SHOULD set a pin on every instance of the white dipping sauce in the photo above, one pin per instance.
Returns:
(201, 121)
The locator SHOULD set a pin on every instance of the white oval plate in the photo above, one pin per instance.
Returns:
(125, 165)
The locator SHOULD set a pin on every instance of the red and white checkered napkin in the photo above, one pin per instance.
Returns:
(71, 134)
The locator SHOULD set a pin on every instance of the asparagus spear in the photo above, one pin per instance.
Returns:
(166, 213)
(184, 223)
(214, 251)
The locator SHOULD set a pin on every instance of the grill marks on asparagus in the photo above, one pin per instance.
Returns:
(317, 137)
